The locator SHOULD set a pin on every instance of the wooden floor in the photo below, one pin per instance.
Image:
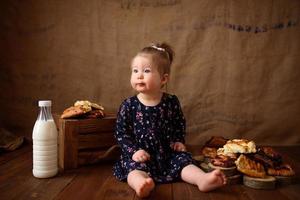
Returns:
(97, 182)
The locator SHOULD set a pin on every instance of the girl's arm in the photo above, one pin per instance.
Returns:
(178, 122)
(124, 130)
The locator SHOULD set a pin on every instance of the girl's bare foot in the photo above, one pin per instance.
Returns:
(140, 182)
(205, 181)
(211, 181)
(144, 187)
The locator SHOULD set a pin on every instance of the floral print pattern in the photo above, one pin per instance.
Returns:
(154, 129)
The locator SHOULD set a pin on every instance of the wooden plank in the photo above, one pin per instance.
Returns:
(290, 191)
(264, 194)
(87, 183)
(13, 174)
(14, 167)
(17, 184)
(182, 190)
(97, 182)
(68, 145)
(112, 189)
(238, 191)
(17, 181)
(160, 192)
(46, 189)
(223, 193)
(106, 124)
(96, 140)
(10, 155)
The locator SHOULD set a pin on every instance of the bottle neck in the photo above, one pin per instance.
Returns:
(45, 113)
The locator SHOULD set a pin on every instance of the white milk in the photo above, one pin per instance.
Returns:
(44, 138)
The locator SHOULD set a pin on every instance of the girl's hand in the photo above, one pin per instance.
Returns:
(141, 156)
(178, 146)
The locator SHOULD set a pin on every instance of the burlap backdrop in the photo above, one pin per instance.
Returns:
(236, 69)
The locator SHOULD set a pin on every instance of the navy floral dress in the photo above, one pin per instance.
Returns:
(153, 129)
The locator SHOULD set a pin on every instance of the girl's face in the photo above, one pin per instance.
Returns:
(145, 77)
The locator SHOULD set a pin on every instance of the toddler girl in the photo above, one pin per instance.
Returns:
(150, 130)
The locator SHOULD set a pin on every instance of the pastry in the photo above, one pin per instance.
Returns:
(225, 164)
(283, 170)
(216, 142)
(223, 161)
(220, 152)
(263, 159)
(250, 167)
(209, 152)
(239, 146)
(271, 153)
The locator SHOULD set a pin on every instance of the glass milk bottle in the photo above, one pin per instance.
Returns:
(44, 138)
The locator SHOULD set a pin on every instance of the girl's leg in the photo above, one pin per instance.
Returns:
(205, 181)
(140, 182)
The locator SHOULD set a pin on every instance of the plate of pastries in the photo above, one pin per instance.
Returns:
(242, 161)
(84, 109)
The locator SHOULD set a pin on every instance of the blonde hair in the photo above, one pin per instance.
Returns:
(162, 55)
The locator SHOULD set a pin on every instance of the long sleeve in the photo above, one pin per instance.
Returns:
(178, 122)
(124, 130)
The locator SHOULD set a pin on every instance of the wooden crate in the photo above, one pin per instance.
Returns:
(86, 141)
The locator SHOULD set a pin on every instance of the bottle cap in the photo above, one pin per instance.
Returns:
(45, 103)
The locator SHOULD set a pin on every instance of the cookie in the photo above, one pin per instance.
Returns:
(95, 114)
(75, 111)
(97, 106)
(85, 104)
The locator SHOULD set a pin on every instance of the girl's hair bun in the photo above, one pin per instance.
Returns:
(164, 47)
